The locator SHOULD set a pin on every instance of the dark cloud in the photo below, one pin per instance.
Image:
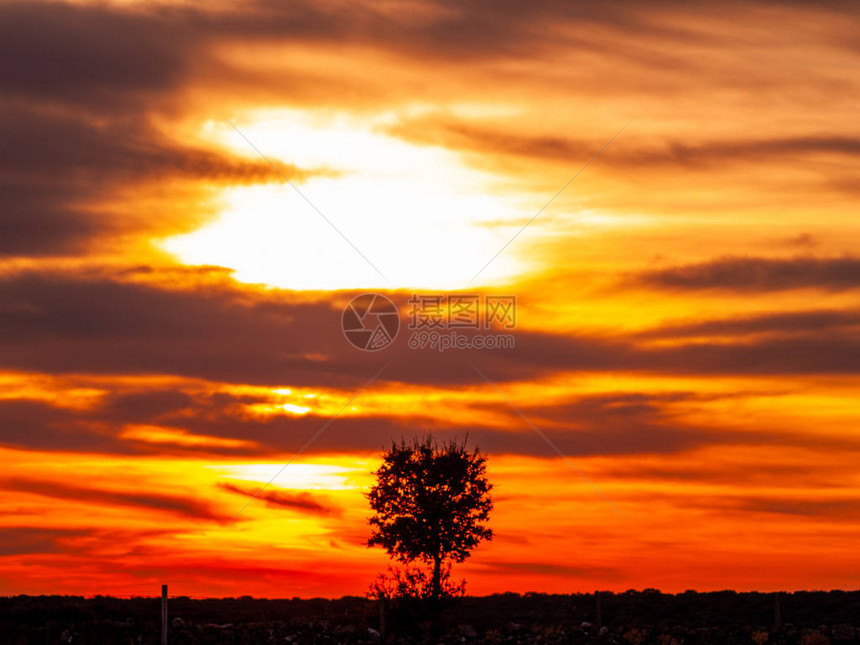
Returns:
(217, 333)
(551, 569)
(783, 170)
(733, 472)
(146, 405)
(27, 540)
(771, 323)
(57, 172)
(492, 143)
(72, 150)
(620, 424)
(301, 502)
(754, 150)
(477, 29)
(607, 424)
(571, 431)
(187, 507)
(66, 325)
(84, 85)
(38, 425)
(828, 509)
(89, 54)
(118, 57)
(757, 274)
(74, 126)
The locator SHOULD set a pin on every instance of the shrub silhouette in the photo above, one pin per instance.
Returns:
(431, 505)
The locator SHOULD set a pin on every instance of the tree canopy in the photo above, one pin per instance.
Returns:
(431, 503)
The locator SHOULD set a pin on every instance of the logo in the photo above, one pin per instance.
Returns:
(370, 322)
(444, 321)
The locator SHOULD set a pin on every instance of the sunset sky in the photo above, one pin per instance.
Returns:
(192, 192)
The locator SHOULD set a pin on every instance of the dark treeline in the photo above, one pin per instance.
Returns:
(51, 619)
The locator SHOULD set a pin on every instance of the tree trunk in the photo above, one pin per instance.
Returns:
(437, 578)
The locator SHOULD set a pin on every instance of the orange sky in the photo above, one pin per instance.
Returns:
(170, 306)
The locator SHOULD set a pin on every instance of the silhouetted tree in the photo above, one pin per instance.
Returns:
(414, 583)
(431, 504)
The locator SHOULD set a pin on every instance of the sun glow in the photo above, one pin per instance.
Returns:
(304, 476)
(417, 213)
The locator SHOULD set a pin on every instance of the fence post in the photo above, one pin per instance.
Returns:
(777, 614)
(163, 614)
(383, 610)
(599, 612)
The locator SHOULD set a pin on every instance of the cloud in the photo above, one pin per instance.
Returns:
(216, 423)
(86, 84)
(834, 508)
(60, 324)
(791, 468)
(66, 179)
(35, 424)
(92, 55)
(28, 540)
(116, 56)
(187, 507)
(757, 274)
(301, 502)
(770, 323)
(573, 433)
(551, 569)
(83, 159)
(191, 419)
(482, 139)
(797, 503)
(146, 405)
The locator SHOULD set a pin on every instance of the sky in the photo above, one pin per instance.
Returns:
(193, 193)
